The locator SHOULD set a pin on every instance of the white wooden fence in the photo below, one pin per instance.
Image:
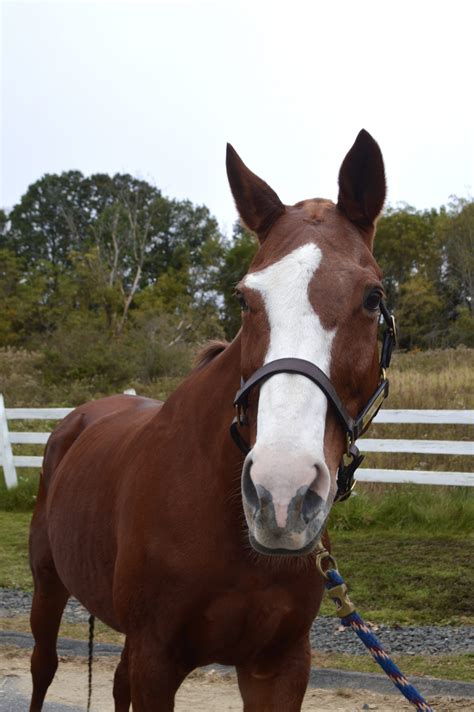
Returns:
(10, 462)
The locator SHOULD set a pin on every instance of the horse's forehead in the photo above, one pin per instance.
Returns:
(293, 271)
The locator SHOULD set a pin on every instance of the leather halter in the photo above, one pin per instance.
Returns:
(353, 428)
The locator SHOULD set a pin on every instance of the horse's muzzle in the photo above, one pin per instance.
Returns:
(282, 527)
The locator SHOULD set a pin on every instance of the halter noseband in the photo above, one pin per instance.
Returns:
(353, 428)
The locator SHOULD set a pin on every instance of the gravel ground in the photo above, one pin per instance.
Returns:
(327, 634)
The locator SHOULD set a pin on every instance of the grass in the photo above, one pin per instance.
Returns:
(14, 567)
(451, 667)
(406, 578)
(76, 631)
(398, 509)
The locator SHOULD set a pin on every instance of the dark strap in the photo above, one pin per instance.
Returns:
(241, 443)
(389, 337)
(302, 368)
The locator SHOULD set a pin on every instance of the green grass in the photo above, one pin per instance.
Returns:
(14, 567)
(397, 576)
(398, 508)
(451, 667)
(76, 631)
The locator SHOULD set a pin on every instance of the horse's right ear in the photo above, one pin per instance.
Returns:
(258, 204)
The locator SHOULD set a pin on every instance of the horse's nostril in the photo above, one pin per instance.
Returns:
(248, 488)
(311, 502)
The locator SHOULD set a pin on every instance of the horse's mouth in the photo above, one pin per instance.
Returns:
(307, 549)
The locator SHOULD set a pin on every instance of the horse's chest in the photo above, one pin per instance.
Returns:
(237, 625)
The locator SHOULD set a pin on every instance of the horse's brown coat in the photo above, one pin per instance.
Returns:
(139, 513)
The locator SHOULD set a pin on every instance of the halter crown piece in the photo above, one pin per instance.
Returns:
(353, 428)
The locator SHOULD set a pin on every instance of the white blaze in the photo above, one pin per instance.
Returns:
(292, 410)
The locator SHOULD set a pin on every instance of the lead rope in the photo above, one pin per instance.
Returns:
(345, 609)
(89, 661)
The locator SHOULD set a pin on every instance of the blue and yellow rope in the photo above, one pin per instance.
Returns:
(337, 590)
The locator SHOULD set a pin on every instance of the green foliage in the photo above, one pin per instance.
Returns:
(111, 255)
(461, 330)
(237, 259)
(419, 312)
(406, 244)
(428, 263)
(84, 351)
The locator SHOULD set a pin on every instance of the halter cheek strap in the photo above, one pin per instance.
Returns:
(353, 428)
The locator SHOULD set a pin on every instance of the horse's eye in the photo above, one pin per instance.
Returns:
(373, 299)
(241, 299)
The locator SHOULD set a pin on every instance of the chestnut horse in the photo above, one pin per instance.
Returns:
(150, 516)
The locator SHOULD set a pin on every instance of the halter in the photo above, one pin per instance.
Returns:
(353, 428)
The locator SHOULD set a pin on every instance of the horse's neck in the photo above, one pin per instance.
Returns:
(202, 406)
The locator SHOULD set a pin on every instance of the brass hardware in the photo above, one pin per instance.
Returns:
(348, 492)
(338, 593)
(344, 605)
(393, 327)
(323, 555)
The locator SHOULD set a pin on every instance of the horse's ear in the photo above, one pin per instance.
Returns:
(258, 204)
(362, 182)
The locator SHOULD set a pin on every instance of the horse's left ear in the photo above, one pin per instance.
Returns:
(362, 183)
(258, 204)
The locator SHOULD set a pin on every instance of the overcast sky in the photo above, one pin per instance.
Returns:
(156, 89)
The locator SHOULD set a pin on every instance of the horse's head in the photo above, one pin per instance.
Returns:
(313, 292)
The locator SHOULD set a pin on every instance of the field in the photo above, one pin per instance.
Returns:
(406, 551)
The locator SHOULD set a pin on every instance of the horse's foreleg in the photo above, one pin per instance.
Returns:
(154, 676)
(277, 684)
(122, 695)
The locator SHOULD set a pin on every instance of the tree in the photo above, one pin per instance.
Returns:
(407, 244)
(237, 258)
(456, 234)
(419, 314)
(51, 219)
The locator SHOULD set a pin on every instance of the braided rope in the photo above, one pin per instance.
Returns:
(354, 621)
(89, 661)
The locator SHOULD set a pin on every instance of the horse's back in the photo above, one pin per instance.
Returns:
(89, 414)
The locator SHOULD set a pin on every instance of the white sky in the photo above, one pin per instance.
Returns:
(157, 88)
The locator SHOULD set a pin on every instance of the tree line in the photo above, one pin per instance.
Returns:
(106, 277)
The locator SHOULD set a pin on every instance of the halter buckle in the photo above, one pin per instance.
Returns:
(240, 414)
(345, 475)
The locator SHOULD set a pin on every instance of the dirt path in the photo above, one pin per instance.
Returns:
(201, 692)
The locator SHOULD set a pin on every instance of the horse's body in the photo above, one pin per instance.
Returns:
(139, 515)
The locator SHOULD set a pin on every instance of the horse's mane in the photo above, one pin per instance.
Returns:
(209, 352)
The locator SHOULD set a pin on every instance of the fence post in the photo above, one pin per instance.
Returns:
(6, 453)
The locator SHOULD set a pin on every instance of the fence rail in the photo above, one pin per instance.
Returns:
(10, 462)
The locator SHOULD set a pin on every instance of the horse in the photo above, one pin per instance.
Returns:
(162, 528)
